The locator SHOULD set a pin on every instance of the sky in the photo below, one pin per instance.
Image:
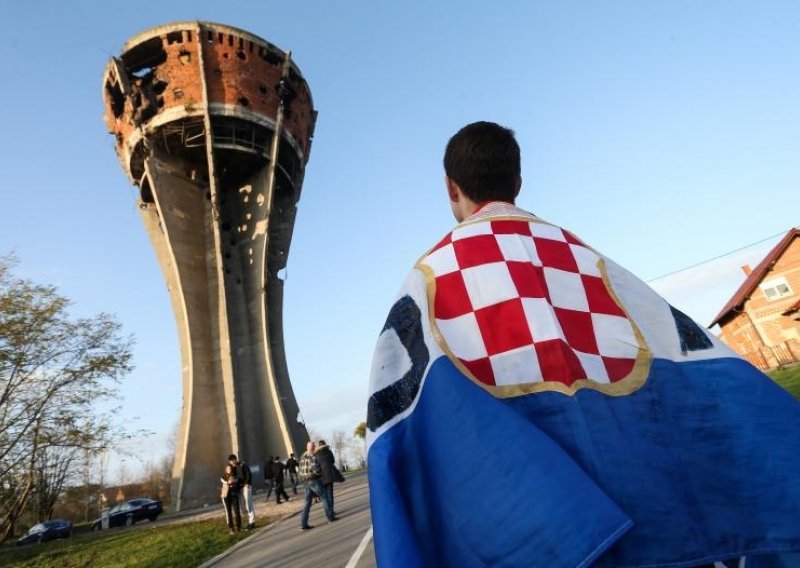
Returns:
(663, 134)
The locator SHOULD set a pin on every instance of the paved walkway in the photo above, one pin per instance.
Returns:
(346, 543)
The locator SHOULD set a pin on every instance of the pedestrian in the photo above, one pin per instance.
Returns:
(291, 467)
(311, 476)
(269, 477)
(277, 477)
(637, 437)
(330, 474)
(247, 494)
(231, 484)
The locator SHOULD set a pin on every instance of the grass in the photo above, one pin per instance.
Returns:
(788, 378)
(178, 545)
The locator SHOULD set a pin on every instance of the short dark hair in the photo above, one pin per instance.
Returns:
(231, 457)
(483, 159)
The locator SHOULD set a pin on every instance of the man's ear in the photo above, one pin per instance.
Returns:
(453, 190)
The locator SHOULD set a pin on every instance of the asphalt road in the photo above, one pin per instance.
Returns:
(346, 542)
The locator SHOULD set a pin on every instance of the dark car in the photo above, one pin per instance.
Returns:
(127, 513)
(48, 530)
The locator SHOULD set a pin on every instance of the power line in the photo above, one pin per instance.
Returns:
(716, 257)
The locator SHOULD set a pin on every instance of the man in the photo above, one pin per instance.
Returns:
(291, 467)
(328, 470)
(311, 475)
(231, 483)
(638, 438)
(269, 477)
(277, 477)
(247, 493)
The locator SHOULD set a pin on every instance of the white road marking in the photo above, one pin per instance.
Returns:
(360, 550)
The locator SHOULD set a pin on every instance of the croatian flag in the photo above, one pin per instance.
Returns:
(534, 404)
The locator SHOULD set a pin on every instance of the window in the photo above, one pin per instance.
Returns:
(776, 288)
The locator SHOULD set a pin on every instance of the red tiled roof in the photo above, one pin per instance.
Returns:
(793, 308)
(756, 276)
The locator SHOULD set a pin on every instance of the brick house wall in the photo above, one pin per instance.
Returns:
(758, 330)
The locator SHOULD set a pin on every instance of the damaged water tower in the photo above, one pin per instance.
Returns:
(213, 125)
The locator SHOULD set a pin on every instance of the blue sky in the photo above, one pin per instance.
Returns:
(661, 133)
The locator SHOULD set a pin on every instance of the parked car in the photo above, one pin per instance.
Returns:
(48, 530)
(127, 513)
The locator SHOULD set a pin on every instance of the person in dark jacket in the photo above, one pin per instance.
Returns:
(269, 477)
(291, 467)
(327, 464)
(247, 493)
(231, 483)
(277, 473)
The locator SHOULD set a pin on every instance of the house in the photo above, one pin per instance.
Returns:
(761, 321)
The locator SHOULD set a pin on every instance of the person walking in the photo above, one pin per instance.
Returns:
(311, 475)
(291, 467)
(277, 476)
(247, 494)
(269, 477)
(328, 468)
(231, 483)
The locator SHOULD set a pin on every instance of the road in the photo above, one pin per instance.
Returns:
(346, 543)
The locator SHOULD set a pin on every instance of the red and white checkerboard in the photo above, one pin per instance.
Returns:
(519, 301)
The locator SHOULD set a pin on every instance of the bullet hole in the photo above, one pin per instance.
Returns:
(228, 255)
(262, 89)
(241, 55)
(244, 227)
(248, 216)
(178, 94)
(246, 198)
(184, 57)
(244, 101)
(225, 56)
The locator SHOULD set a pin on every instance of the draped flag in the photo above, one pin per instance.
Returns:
(534, 404)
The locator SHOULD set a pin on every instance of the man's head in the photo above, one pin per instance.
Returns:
(482, 163)
(291, 455)
(310, 446)
(232, 458)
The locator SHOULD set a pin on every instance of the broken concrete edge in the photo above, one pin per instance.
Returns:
(158, 31)
(230, 550)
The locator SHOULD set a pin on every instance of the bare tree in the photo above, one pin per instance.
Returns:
(53, 368)
(339, 445)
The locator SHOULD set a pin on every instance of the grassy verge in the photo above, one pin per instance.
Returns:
(178, 545)
(788, 378)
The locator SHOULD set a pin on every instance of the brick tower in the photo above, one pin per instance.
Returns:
(214, 125)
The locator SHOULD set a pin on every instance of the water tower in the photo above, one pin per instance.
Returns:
(213, 125)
